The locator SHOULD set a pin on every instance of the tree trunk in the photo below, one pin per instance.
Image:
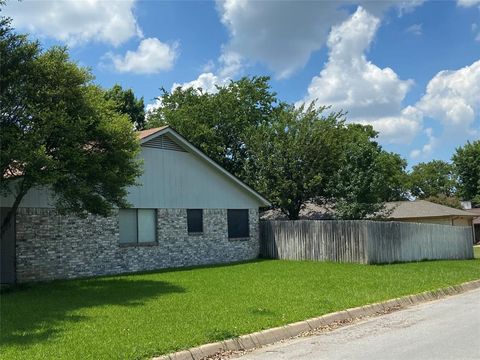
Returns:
(13, 209)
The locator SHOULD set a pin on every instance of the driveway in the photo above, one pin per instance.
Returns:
(443, 329)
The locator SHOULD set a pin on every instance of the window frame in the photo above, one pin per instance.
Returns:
(190, 211)
(243, 236)
(136, 242)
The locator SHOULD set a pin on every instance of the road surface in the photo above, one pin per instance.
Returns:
(439, 330)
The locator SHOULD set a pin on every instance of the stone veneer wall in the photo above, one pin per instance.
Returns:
(51, 246)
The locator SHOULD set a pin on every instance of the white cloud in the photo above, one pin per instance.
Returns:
(229, 65)
(151, 56)
(76, 21)
(453, 98)
(205, 81)
(415, 29)
(350, 82)
(283, 34)
(468, 3)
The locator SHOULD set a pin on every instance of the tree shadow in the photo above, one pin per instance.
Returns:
(39, 312)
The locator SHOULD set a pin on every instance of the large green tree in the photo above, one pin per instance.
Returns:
(367, 175)
(59, 131)
(295, 155)
(220, 123)
(304, 155)
(126, 103)
(466, 161)
(432, 179)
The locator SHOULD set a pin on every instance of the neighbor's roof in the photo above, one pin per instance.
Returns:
(475, 212)
(422, 209)
(147, 135)
(311, 211)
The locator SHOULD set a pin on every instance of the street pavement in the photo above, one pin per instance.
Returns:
(438, 330)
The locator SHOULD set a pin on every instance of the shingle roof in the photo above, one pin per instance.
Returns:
(422, 208)
(476, 212)
(145, 133)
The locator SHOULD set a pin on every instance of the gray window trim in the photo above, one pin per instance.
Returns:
(136, 243)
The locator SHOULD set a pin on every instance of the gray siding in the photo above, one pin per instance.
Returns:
(171, 179)
(365, 242)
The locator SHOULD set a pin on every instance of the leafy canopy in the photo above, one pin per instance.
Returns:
(466, 161)
(432, 179)
(58, 130)
(126, 103)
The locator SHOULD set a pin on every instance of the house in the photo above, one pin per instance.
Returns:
(476, 224)
(422, 211)
(187, 210)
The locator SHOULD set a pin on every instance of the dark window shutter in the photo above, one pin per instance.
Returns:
(195, 220)
(238, 223)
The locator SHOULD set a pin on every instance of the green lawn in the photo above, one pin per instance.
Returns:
(137, 316)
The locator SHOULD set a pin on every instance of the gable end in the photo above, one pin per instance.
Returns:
(164, 142)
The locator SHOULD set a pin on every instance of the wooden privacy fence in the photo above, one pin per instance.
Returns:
(366, 242)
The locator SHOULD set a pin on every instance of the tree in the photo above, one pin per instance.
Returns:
(466, 161)
(220, 124)
(451, 201)
(432, 179)
(367, 175)
(57, 130)
(296, 154)
(128, 104)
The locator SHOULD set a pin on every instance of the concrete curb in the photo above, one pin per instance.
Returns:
(270, 336)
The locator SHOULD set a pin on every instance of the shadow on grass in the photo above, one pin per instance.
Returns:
(41, 312)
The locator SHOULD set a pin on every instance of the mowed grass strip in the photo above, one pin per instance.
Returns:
(139, 316)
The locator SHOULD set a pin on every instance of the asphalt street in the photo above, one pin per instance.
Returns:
(440, 330)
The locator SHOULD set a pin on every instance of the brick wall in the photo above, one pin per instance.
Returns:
(51, 246)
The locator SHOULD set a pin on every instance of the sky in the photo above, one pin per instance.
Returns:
(409, 68)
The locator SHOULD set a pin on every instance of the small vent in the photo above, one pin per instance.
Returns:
(164, 142)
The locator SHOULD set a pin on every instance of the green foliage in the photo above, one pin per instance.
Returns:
(467, 166)
(367, 175)
(433, 179)
(145, 315)
(220, 124)
(128, 104)
(290, 155)
(451, 201)
(295, 155)
(58, 130)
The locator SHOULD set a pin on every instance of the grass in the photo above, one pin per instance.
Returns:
(476, 252)
(138, 316)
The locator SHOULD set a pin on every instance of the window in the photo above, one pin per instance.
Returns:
(238, 224)
(137, 226)
(195, 220)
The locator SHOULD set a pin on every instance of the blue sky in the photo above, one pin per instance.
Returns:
(409, 68)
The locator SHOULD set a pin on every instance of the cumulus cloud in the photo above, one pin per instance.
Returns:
(350, 82)
(453, 98)
(75, 22)
(151, 56)
(283, 34)
(229, 65)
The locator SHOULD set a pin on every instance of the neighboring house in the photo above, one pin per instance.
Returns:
(476, 223)
(310, 211)
(187, 210)
(422, 211)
